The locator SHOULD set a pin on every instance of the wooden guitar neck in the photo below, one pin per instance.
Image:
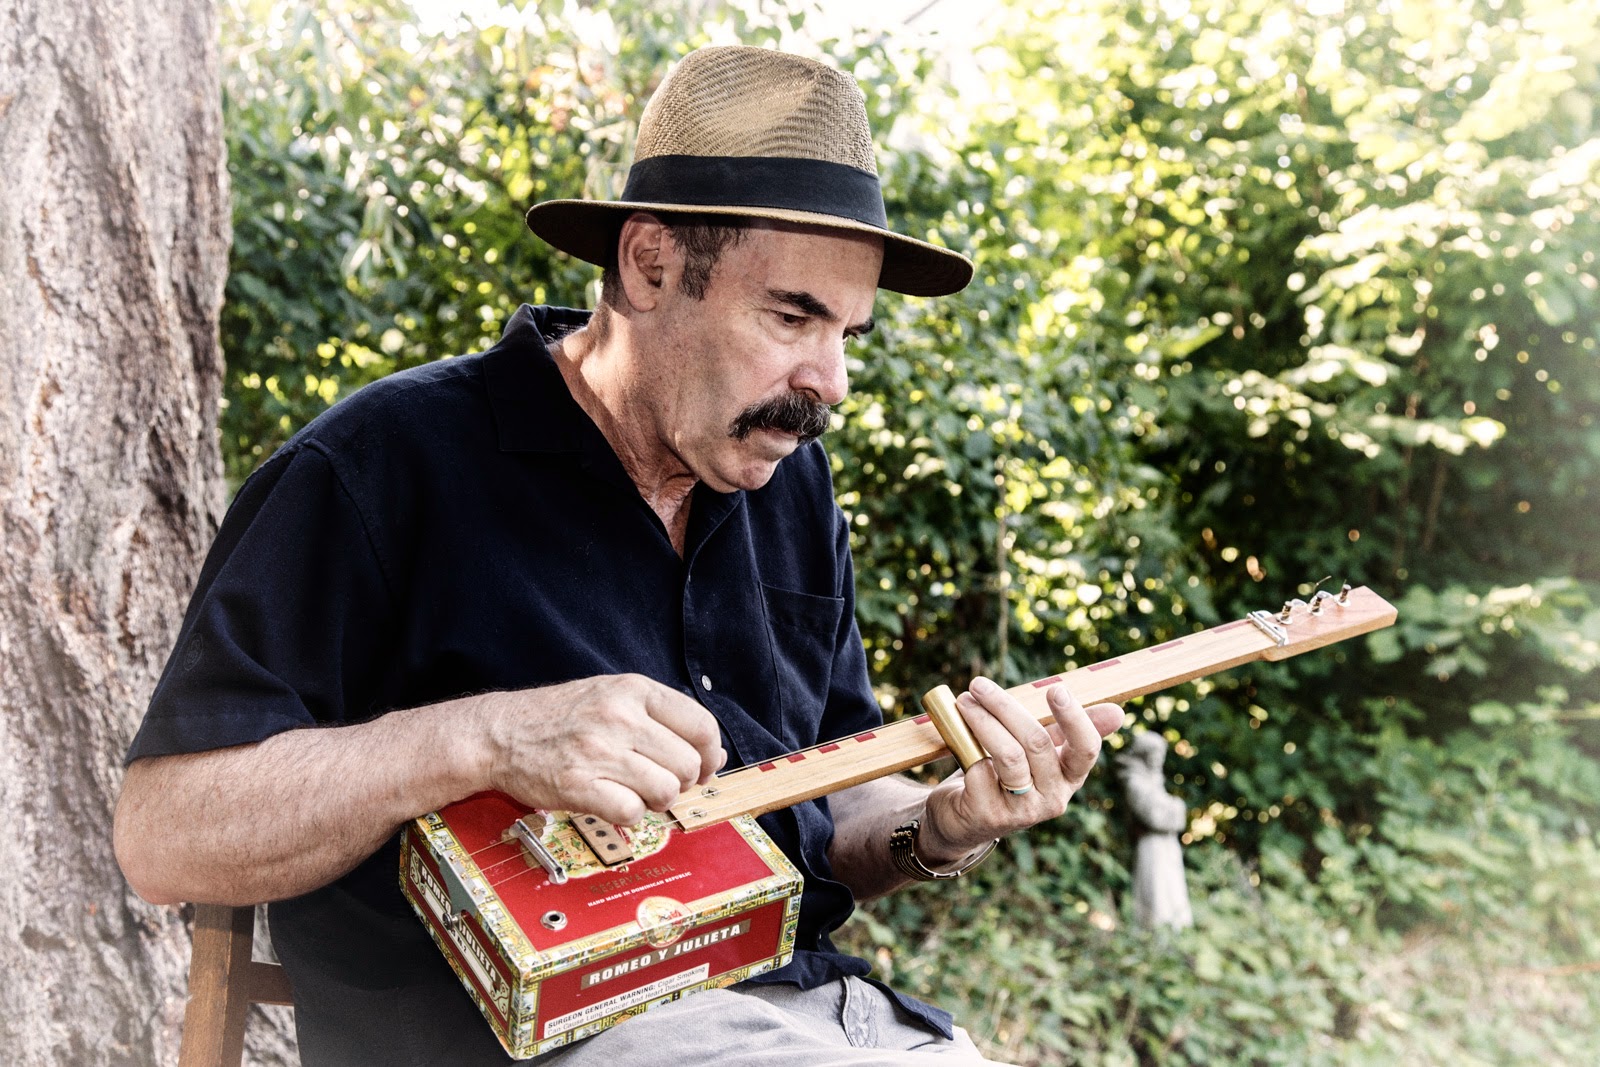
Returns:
(813, 772)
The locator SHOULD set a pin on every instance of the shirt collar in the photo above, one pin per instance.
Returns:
(533, 409)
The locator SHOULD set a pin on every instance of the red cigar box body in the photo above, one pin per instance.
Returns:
(549, 964)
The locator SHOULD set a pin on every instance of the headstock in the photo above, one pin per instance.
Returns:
(1302, 625)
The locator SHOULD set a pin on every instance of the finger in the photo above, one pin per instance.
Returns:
(655, 742)
(686, 718)
(654, 784)
(1020, 748)
(1036, 741)
(1107, 718)
(616, 804)
(581, 787)
(1007, 765)
(1080, 737)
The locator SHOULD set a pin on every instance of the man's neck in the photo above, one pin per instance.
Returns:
(601, 379)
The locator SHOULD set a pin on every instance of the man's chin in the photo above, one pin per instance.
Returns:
(760, 454)
(750, 477)
(754, 472)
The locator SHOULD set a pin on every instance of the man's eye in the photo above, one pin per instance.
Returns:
(791, 320)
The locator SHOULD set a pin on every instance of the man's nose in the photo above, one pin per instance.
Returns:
(824, 374)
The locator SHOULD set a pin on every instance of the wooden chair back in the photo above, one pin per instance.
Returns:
(223, 982)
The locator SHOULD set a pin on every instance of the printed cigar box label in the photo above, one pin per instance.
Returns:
(623, 1001)
(663, 920)
(719, 953)
(487, 971)
(657, 956)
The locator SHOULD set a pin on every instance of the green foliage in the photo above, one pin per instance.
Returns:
(1273, 972)
(1266, 290)
(380, 178)
(1265, 979)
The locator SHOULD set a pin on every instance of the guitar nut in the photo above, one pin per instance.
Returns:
(553, 920)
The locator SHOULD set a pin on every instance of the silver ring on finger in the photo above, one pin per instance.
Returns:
(1022, 792)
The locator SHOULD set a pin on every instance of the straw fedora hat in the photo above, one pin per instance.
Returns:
(763, 134)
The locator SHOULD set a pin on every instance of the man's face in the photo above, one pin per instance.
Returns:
(743, 368)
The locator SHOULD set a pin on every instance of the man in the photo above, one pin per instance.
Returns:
(587, 568)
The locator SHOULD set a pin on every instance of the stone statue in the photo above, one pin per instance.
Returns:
(1160, 896)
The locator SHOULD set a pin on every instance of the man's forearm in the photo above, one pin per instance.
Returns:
(281, 817)
(294, 812)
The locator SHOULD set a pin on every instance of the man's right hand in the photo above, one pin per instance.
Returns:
(286, 815)
(612, 746)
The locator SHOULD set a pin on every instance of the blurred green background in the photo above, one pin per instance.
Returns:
(1267, 290)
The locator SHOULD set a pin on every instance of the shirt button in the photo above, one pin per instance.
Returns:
(705, 682)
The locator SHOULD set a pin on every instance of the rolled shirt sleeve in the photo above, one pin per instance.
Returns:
(286, 622)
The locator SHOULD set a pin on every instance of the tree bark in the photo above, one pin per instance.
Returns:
(114, 233)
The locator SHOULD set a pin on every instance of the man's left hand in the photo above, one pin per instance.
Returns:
(1031, 773)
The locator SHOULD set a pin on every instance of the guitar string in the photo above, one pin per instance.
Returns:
(740, 797)
(714, 806)
(731, 797)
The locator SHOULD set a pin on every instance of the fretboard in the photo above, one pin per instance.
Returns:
(907, 743)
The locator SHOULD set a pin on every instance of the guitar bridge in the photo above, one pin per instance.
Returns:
(526, 831)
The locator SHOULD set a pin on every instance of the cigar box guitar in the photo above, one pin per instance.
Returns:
(561, 925)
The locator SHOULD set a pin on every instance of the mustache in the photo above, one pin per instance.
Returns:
(793, 413)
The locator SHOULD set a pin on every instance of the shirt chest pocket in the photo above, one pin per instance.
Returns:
(802, 631)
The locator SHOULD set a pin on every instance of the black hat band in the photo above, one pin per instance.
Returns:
(814, 185)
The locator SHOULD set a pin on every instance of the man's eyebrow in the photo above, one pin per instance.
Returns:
(810, 305)
(804, 302)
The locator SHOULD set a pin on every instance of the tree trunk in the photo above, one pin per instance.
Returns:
(114, 231)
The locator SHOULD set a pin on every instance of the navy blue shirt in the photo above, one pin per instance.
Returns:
(465, 527)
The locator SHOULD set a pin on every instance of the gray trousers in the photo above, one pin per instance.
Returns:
(847, 1023)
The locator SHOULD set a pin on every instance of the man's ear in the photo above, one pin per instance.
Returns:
(647, 260)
